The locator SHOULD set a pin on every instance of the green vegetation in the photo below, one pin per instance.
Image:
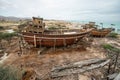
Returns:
(112, 52)
(110, 47)
(1, 28)
(107, 46)
(10, 73)
(7, 35)
(113, 35)
(6, 21)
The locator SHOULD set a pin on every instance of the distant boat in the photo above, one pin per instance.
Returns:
(100, 32)
(36, 34)
(97, 32)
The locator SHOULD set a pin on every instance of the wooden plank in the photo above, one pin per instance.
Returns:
(80, 68)
(118, 77)
(112, 76)
(54, 44)
(34, 41)
(78, 64)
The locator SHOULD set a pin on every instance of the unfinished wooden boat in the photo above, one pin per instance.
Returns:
(100, 32)
(97, 32)
(36, 34)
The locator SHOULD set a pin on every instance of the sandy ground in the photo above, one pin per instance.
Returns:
(43, 63)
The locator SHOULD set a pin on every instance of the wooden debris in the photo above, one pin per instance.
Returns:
(41, 50)
(112, 76)
(78, 67)
(118, 77)
(116, 44)
(77, 64)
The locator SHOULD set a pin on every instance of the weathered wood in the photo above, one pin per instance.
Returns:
(64, 42)
(112, 76)
(109, 67)
(116, 60)
(41, 50)
(20, 48)
(88, 65)
(118, 77)
(40, 43)
(54, 44)
(116, 45)
(78, 64)
(47, 39)
(34, 40)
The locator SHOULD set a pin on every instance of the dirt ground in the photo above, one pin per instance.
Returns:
(43, 63)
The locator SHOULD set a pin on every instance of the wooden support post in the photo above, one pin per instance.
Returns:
(54, 44)
(109, 67)
(20, 48)
(40, 42)
(64, 42)
(75, 40)
(21, 39)
(108, 71)
(116, 60)
(34, 41)
(61, 31)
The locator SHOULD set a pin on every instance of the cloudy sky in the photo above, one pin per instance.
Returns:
(84, 10)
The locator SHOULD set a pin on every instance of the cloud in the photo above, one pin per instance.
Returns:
(63, 9)
(5, 4)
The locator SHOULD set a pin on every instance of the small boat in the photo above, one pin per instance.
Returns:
(36, 34)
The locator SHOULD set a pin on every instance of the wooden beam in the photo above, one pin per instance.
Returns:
(79, 67)
(64, 42)
(118, 77)
(20, 47)
(78, 64)
(34, 41)
(54, 44)
(40, 42)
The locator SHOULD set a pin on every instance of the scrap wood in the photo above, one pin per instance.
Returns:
(78, 64)
(79, 67)
(118, 77)
(112, 76)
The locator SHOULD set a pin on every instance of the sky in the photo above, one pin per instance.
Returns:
(83, 10)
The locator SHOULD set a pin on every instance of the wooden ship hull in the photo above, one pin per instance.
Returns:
(99, 33)
(36, 34)
(54, 40)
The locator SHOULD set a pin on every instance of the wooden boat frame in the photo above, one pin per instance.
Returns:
(100, 33)
(53, 40)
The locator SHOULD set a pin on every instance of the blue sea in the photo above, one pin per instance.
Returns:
(105, 24)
